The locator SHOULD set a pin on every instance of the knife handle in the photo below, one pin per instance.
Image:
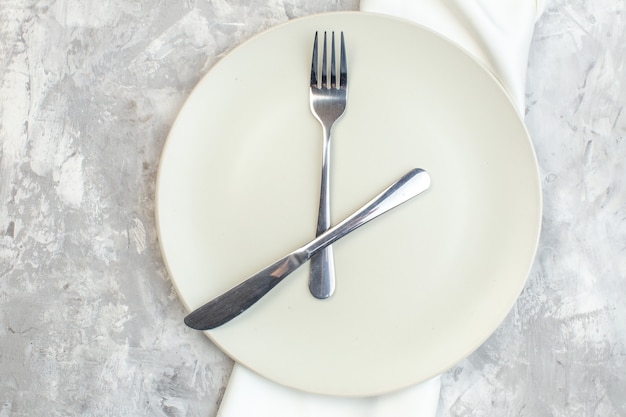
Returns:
(408, 186)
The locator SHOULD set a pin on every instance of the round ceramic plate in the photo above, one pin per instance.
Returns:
(419, 288)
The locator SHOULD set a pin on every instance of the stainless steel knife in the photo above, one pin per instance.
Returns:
(235, 301)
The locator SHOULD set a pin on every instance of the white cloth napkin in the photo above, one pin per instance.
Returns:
(498, 34)
(250, 395)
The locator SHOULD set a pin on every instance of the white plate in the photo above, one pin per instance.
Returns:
(418, 289)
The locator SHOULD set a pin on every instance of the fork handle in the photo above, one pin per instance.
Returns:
(322, 267)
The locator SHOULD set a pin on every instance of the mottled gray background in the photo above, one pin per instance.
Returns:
(89, 322)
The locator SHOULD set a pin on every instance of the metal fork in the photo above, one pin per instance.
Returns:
(328, 104)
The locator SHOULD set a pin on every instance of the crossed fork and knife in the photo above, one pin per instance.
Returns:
(328, 103)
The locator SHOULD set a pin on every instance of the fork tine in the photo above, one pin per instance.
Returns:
(324, 65)
(333, 70)
(314, 63)
(343, 72)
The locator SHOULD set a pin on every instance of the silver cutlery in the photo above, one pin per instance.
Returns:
(239, 298)
(328, 104)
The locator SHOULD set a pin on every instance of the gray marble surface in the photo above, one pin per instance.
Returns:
(89, 322)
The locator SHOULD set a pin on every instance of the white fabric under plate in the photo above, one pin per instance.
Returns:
(496, 32)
